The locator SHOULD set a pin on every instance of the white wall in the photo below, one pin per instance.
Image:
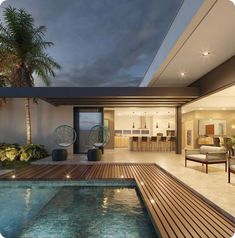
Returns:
(44, 117)
(125, 122)
(163, 124)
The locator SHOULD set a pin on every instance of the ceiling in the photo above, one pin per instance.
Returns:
(153, 111)
(215, 34)
(223, 100)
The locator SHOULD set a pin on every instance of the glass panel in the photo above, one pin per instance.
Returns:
(86, 121)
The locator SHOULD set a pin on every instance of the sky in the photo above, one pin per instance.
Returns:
(101, 42)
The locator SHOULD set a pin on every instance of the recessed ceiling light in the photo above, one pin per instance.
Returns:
(205, 53)
(233, 1)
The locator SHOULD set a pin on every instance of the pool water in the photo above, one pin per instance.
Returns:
(73, 211)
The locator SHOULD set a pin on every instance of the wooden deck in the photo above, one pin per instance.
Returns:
(175, 209)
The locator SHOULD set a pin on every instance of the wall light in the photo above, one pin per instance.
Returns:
(13, 176)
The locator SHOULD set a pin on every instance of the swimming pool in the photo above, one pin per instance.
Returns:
(44, 210)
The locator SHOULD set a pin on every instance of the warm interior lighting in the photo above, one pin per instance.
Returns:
(13, 176)
(67, 176)
(233, 1)
(182, 74)
(152, 201)
(145, 126)
(142, 183)
(233, 126)
(122, 176)
(169, 125)
(157, 121)
(133, 126)
(205, 53)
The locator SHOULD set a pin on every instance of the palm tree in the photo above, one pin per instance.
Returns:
(23, 56)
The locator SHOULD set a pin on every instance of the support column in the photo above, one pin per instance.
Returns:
(178, 123)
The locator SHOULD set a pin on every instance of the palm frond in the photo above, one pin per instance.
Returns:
(22, 49)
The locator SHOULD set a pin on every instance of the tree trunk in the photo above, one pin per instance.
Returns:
(28, 120)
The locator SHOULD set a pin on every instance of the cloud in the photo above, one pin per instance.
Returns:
(102, 43)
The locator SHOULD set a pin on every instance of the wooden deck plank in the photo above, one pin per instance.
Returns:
(175, 209)
(206, 213)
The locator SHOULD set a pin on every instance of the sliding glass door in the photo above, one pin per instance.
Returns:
(84, 120)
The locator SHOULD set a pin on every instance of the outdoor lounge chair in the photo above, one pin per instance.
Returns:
(231, 167)
(207, 155)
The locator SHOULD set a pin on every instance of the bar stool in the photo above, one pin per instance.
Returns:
(172, 143)
(153, 143)
(135, 143)
(162, 143)
(144, 142)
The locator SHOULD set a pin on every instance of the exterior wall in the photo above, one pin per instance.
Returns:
(190, 122)
(44, 118)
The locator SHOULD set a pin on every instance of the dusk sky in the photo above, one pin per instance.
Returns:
(101, 42)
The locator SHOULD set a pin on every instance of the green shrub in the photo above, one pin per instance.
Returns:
(32, 152)
(12, 152)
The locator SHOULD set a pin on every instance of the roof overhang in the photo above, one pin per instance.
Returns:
(107, 97)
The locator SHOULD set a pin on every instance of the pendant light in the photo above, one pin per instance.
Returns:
(169, 125)
(133, 126)
(145, 126)
(157, 121)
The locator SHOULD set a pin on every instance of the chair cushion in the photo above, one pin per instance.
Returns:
(214, 149)
(202, 157)
(232, 167)
(199, 157)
